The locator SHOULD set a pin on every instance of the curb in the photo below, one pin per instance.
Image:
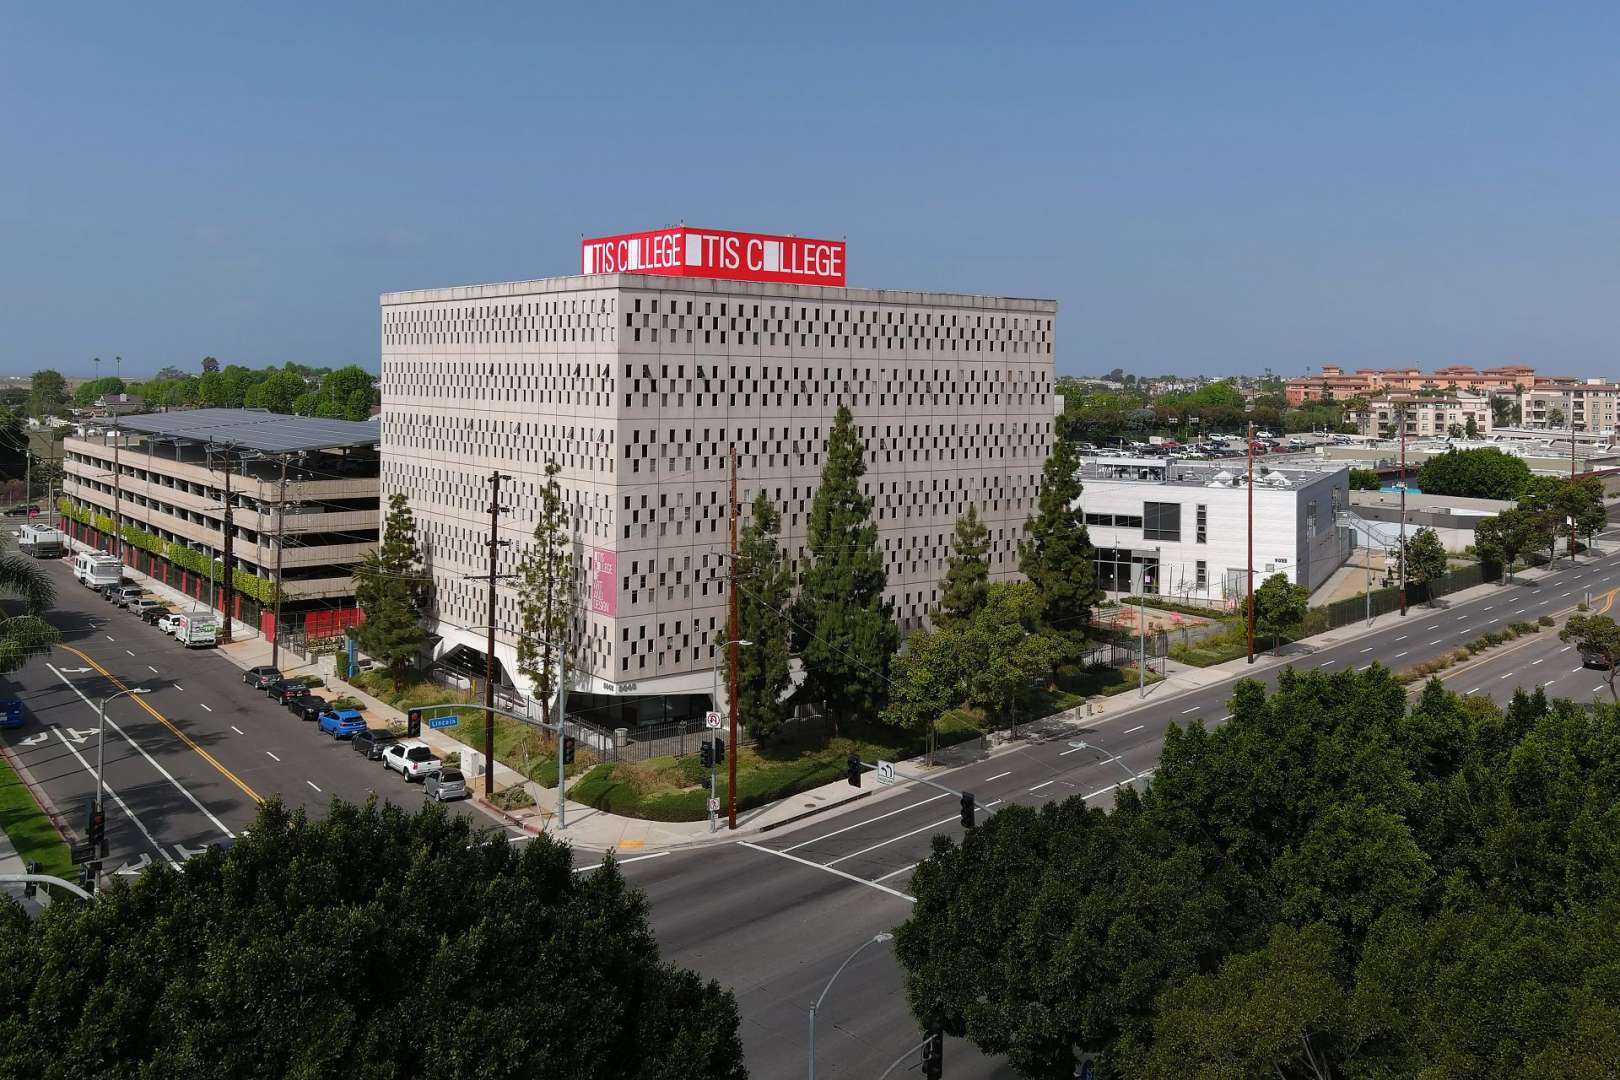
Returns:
(510, 819)
(812, 813)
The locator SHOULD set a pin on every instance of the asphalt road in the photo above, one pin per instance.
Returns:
(771, 918)
(187, 763)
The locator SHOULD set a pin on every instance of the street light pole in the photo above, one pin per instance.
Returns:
(1250, 618)
(876, 939)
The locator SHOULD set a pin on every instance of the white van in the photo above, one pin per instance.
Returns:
(95, 570)
(196, 631)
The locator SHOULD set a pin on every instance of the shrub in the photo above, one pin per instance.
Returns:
(312, 681)
(452, 760)
(1581, 606)
(1545, 620)
(516, 797)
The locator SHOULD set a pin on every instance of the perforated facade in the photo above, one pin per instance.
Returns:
(638, 385)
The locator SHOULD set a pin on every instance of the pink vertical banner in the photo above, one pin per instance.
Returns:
(605, 582)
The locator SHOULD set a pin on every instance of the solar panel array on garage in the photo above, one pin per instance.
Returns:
(252, 429)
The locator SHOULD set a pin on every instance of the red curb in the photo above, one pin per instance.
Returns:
(516, 822)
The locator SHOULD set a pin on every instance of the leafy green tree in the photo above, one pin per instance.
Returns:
(25, 633)
(1364, 480)
(391, 587)
(325, 931)
(1501, 411)
(967, 575)
(347, 393)
(277, 393)
(1454, 430)
(1598, 639)
(1057, 555)
(91, 390)
(765, 594)
(210, 366)
(47, 394)
(547, 590)
(929, 679)
(1496, 545)
(1555, 417)
(1483, 473)
(844, 632)
(1008, 651)
(1425, 558)
(1470, 429)
(1279, 604)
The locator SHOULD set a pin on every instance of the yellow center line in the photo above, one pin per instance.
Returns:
(140, 700)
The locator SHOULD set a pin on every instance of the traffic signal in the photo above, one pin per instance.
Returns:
(87, 877)
(719, 750)
(568, 750)
(854, 771)
(967, 810)
(706, 754)
(933, 1055)
(96, 830)
(413, 724)
(30, 888)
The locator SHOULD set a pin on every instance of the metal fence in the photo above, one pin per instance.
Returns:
(1383, 601)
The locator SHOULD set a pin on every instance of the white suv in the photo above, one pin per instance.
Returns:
(413, 761)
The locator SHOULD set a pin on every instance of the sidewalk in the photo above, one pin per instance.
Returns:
(12, 863)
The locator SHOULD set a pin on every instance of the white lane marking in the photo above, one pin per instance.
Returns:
(1437, 641)
(998, 776)
(1533, 663)
(1122, 783)
(115, 796)
(111, 638)
(621, 862)
(1398, 655)
(1436, 626)
(1576, 670)
(1225, 718)
(1475, 690)
(177, 686)
(238, 730)
(1566, 648)
(205, 707)
(1566, 593)
(130, 653)
(272, 755)
(1494, 621)
(1462, 616)
(1520, 611)
(892, 873)
(1509, 675)
(1072, 750)
(1365, 667)
(152, 669)
(1135, 729)
(1367, 650)
(890, 840)
(1043, 783)
(311, 783)
(1401, 638)
(839, 873)
(1487, 607)
(149, 760)
(1194, 709)
(858, 824)
(1325, 663)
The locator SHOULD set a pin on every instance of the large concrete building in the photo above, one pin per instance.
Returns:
(1589, 405)
(1427, 416)
(1167, 527)
(1335, 382)
(637, 385)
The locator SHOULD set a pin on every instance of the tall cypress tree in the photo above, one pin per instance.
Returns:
(391, 588)
(546, 590)
(843, 628)
(967, 577)
(764, 592)
(1056, 553)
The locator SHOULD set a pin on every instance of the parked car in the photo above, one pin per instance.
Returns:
(261, 676)
(307, 706)
(169, 623)
(109, 591)
(342, 723)
(11, 713)
(445, 784)
(156, 613)
(127, 595)
(283, 689)
(372, 742)
(146, 603)
(413, 761)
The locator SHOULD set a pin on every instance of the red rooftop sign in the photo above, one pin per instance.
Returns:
(716, 253)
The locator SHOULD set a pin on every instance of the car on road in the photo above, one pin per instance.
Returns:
(146, 603)
(445, 784)
(1594, 658)
(127, 595)
(342, 723)
(413, 761)
(372, 742)
(282, 690)
(307, 706)
(261, 676)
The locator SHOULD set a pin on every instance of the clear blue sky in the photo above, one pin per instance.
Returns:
(1203, 187)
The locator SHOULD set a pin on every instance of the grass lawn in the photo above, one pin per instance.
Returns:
(30, 831)
(677, 789)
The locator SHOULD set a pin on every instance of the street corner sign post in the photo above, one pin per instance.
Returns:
(717, 253)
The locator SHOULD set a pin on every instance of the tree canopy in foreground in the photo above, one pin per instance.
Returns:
(1335, 883)
(374, 943)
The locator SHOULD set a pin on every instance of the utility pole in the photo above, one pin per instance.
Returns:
(226, 583)
(1400, 414)
(731, 758)
(1572, 471)
(281, 543)
(1250, 619)
(495, 509)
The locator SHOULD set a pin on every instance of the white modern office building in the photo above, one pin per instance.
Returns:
(1172, 528)
(637, 385)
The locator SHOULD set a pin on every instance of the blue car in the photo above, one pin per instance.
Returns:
(11, 714)
(342, 724)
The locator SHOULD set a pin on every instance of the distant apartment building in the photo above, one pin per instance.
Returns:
(1334, 382)
(1590, 405)
(1173, 528)
(166, 475)
(1427, 416)
(637, 378)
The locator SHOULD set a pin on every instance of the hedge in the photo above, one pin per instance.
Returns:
(182, 555)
